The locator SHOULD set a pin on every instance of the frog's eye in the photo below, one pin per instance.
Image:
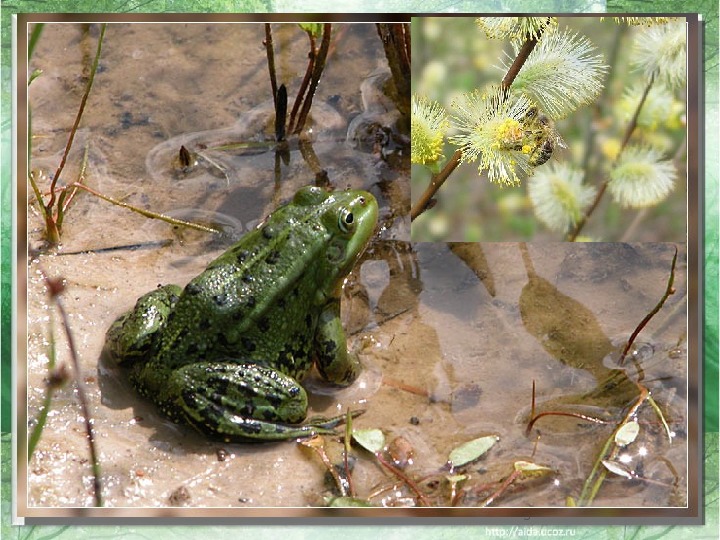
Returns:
(346, 222)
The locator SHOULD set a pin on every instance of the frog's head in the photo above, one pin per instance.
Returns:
(349, 218)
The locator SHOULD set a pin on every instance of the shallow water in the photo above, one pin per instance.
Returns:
(451, 337)
(448, 358)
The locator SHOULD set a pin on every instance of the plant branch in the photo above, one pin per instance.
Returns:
(601, 191)
(436, 181)
(518, 63)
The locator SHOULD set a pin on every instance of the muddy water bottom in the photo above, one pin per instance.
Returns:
(450, 341)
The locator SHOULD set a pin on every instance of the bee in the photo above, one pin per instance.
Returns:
(541, 153)
(539, 138)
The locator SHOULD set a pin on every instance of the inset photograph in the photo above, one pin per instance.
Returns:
(549, 129)
(199, 194)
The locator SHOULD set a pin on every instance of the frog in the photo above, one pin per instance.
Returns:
(227, 353)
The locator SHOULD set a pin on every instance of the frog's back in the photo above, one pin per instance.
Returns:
(256, 302)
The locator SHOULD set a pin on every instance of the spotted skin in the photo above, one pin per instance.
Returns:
(226, 353)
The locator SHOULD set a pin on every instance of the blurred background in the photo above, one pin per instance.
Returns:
(451, 56)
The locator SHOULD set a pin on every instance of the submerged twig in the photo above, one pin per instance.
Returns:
(422, 499)
(503, 487)
(317, 444)
(346, 452)
(394, 383)
(581, 416)
(668, 291)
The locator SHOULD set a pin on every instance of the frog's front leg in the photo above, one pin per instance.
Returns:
(133, 334)
(238, 402)
(334, 362)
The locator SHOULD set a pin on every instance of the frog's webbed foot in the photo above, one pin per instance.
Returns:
(240, 402)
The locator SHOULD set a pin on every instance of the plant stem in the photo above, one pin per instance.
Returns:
(81, 109)
(146, 213)
(34, 37)
(305, 82)
(396, 42)
(55, 292)
(316, 73)
(422, 499)
(67, 195)
(271, 61)
(590, 488)
(49, 391)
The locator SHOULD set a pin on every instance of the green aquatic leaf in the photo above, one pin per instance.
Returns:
(456, 478)
(372, 440)
(618, 468)
(314, 29)
(471, 450)
(528, 468)
(627, 433)
(340, 502)
(34, 75)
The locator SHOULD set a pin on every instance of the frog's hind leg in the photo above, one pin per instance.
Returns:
(239, 402)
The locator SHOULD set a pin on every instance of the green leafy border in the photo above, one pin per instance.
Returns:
(709, 10)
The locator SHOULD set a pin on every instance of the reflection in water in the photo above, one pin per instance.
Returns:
(569, 332)
(564, 327)
(473, 255)
(491, 375)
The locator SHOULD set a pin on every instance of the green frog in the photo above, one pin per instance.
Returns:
(226, 353)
